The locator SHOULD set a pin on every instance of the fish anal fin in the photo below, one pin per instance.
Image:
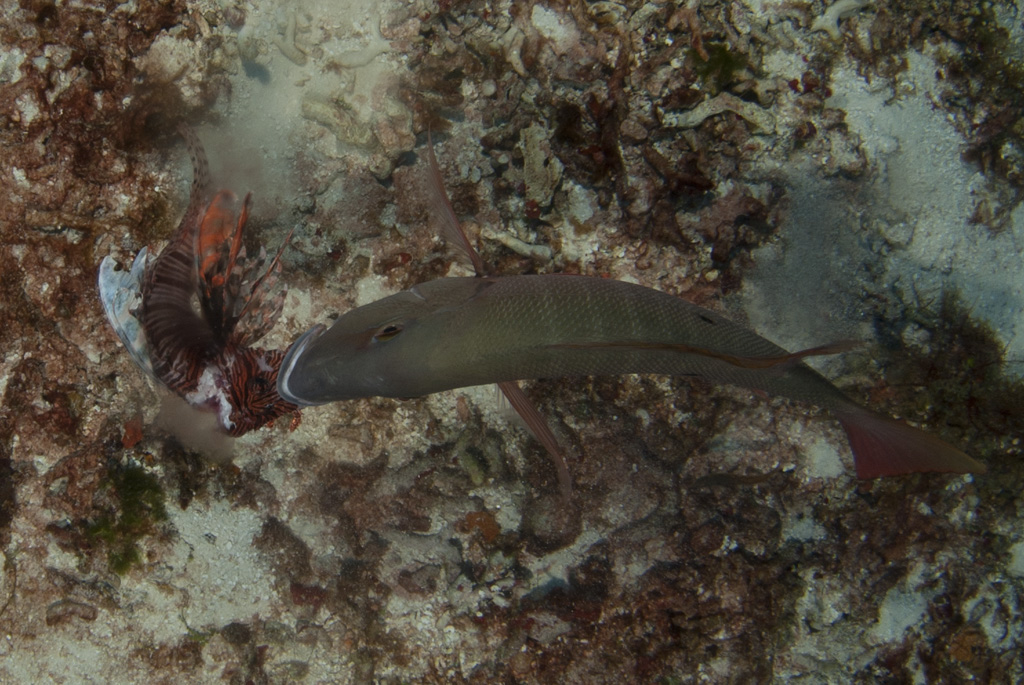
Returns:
(885, 447)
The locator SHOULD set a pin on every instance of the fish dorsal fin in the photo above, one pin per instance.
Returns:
(219, 258)
(444, 213)
(199, 195)
(235, 291)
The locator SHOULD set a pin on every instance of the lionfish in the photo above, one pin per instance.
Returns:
(190, 316)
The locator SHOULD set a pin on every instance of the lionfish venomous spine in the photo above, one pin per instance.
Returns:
(191, 316)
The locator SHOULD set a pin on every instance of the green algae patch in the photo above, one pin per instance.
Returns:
(721, 67)
(137, 506)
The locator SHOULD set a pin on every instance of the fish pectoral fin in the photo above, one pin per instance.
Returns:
(540, 429)
(741, 361)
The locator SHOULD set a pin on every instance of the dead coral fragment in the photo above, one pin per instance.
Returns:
(829, 21)
(63, 610)
(542, 253)
(542, 170)
(723, 102)
(557, 28)
(353, 59)
(288, 47)
(168, 59)
(339, 120)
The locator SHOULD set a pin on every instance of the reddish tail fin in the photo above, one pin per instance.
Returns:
(885, 447)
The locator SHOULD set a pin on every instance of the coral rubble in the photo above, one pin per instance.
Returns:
(824, 170)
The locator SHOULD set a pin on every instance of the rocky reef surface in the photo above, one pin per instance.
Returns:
(820, 170)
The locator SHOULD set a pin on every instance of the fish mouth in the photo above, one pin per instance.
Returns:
(291, 358)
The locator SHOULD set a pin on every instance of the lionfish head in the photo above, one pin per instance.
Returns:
(251, 375)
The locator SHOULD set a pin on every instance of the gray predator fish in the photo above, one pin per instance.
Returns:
(456, 332)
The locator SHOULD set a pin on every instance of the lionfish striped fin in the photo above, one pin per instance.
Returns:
(220, 262)
(261, 311)
(194, 350)
(233, 290)
(178, 338)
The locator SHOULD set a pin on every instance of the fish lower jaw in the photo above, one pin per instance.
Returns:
(211, 394)
(291, 357)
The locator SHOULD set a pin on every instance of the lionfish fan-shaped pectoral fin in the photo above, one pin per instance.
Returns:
(261, 311)
(220, 259)
(121, 295)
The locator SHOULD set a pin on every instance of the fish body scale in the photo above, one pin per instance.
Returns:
(458, 332)
(567, 326)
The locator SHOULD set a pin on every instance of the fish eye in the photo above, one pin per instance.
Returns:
(388, 332)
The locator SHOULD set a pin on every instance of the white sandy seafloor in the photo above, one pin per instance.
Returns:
(900, 231)
(917, 201)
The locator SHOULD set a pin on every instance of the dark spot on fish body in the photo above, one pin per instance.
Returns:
(706, 319)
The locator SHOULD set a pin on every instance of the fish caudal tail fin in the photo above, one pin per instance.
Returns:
(885, 447)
